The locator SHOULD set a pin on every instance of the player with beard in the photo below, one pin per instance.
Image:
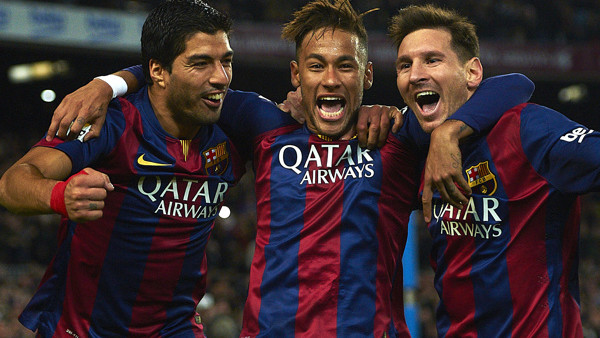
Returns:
(142, 198)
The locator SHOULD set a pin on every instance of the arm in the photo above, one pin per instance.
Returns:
(443, 171)
(493, 97)
(89, 104)
(564, 152)
(27, 186)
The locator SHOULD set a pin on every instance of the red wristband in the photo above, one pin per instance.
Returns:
(57, 199)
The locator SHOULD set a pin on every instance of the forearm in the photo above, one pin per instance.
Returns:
(24, 190)
(452, 131)
(26, 187)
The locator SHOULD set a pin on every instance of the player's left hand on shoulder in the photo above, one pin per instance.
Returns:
(373, 124)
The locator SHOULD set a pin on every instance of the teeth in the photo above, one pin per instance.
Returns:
(425, 93)
(332, 114)
(215, 96)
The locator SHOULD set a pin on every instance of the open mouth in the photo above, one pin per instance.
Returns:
(427, 101)
(214, 99)
(331, 107)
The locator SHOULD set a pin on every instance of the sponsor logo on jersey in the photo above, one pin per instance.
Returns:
(183, 197)
(216, 159)
(354, 162)
(479, 218)
(482, 179)
(577, 134)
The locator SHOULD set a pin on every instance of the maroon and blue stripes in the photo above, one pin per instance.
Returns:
(327, 242)
(521, 282)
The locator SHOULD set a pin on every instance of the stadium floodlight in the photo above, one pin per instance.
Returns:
(37, 71)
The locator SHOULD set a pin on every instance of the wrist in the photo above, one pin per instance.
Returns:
(57, 197)
(116, 83)
(454, 130)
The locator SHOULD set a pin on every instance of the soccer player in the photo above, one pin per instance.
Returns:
(143, 196)
(506, 263)
(332, 216)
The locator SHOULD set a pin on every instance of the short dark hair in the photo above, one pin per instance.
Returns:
(171, 24)
(465, 42)
(317, 14)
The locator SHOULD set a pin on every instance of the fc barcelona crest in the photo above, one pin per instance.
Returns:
(481, 179)
(216, 159)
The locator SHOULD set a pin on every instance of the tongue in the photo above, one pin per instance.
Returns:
(331, 107)
(429, 107)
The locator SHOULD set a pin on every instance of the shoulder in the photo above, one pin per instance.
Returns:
(248, 99)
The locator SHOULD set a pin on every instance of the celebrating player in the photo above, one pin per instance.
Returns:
(142, 198)
(505, 263)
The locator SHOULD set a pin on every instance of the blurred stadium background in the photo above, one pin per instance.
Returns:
(50, 48)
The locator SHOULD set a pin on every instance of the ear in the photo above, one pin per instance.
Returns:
(157, 73)
(368, 81)
(295, 74)
(474, 72)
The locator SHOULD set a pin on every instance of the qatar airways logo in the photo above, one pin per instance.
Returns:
(478, 218)
(329, 170)
(183, 197)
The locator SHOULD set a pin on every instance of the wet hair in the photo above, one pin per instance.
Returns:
(168, 27)
(334, 14)
(412, 18)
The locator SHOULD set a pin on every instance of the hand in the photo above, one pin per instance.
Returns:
(87, 104)
(293, 105)
(443, 170)
(373, 124)
(85, 194)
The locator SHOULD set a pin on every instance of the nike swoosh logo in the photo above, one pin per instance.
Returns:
(142, 161)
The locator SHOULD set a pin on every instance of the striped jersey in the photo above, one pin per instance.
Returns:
(332, 218)
(140, 270)
(507, 263)
(331, 228)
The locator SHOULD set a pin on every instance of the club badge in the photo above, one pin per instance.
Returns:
(481, 179)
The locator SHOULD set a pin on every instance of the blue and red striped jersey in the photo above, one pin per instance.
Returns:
(507, 263)
(331, 229)
(140, 270)
(332, 225)
(332, 218)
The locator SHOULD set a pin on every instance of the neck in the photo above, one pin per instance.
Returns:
(349, 135)
(166, 118)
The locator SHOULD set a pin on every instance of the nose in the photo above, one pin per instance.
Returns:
(418, 73)
(331, 78)
(220, 76)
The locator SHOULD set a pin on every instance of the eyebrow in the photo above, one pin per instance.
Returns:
(195, 57)
(426, 55)
(339, 59)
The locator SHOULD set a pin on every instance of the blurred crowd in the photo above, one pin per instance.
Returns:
(512, 20)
